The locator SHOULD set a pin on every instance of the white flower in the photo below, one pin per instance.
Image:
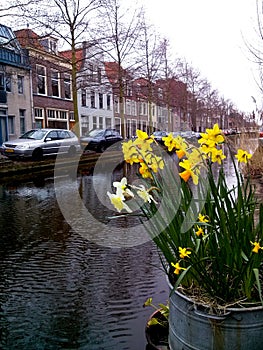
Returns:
(122, 187)
(118, 202)
(144, 194)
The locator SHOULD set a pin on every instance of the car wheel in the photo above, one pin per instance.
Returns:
(37, 154)
(72, 151)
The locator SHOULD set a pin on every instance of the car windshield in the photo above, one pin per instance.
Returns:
(34, 134)
(95, 133)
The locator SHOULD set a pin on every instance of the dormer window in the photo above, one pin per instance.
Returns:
(50, 44)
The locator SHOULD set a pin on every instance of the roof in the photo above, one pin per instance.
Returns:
(27, 37)
(68, 55)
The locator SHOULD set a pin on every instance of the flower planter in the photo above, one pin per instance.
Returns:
(192, 327)
(156, 335)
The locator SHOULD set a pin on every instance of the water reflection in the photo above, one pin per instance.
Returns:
(60, 291)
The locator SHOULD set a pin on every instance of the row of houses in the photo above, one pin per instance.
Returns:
(36, 90)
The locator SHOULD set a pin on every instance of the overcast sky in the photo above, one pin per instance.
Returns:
(209, 35)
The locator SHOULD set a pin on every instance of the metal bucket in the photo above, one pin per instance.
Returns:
(192, 327)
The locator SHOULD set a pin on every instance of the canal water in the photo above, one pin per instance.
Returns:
(61, 290)
(66, 282)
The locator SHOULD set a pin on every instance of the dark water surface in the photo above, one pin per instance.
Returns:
(59, 290)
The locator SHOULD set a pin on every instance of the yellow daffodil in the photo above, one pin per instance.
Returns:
(243, 156)
(130, 152)
(184, 253)
(256, 247)
(200, 231)
(214, 135)
(169, 142)
(145, 171)
(154, 162)
(217, 155)
(203, 218)
(143, 141)
(117, 201)
(185, 175)
(178, 268)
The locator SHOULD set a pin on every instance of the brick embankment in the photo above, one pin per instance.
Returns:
(26, 169)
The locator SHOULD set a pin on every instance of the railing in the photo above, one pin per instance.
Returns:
(13, 58)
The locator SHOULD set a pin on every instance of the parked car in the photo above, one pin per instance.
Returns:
(158, 136)
(99, 140)
(38, 143)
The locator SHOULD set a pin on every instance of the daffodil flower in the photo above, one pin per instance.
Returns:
(217, 155)
(213, 136)
(117, 201)
(122, 187)
(200, 231)
(185, 175)
(130, 152)
(143, 141)
(145, 195)
(178, 268)
(184, 253)
(256, 247)
(145, 171)
(169, 142)
(243, 156)
(203, 218)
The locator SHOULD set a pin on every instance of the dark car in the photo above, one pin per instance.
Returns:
(99, 140)
(37, 143)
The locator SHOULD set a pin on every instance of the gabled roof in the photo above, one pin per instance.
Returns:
(28, 38)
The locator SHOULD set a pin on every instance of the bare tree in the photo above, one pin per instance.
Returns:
(152, 53)
(118, 34)
(68, 20)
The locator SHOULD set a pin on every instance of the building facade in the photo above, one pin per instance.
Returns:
(15, 87)
(51, 81)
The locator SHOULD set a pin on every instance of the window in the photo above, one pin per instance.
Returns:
(53, 47)
(144, 109)
(118, 125)
(99, 74)
(94, 123)
(100, 122)
(39, 113)
(22, 114)
(2, 82)
(8, 84)
(91, 72)
(108, 123)
(71, 116)
(67, 85)
(41, 80)
(20, 84)
(55, 83)
(83, 98)
(51, 114)
(63, 115)
(116, 104)
(101, 101)
(11, 124)
(92, 99)
(108, 102)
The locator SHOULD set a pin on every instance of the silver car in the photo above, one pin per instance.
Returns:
(38, 143)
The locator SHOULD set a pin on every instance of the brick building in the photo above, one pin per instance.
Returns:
(51, 81)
